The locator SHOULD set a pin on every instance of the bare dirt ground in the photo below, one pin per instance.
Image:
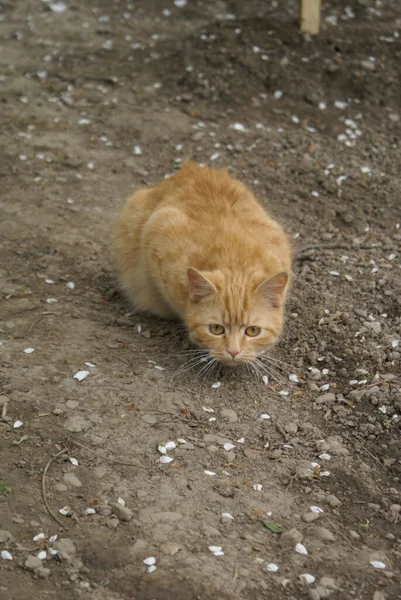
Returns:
(101, 98)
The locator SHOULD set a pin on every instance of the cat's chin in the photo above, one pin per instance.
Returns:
(229, 362)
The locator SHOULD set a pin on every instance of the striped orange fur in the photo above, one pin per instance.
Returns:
(200, 247)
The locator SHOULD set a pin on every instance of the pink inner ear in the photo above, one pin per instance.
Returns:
(273, 289)
(199, 287)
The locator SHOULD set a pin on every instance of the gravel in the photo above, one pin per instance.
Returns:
(123, 513)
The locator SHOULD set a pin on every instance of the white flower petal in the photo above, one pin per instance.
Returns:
(307, 578)
(300, 548)
(81, 375)
(272, 567)
(227, 516)
(150, 561)
(377, 564)
(5, 555)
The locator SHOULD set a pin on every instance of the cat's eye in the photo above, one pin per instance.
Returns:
(252, 331)
(216, 329)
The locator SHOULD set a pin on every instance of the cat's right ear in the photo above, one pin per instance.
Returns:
(199, 287)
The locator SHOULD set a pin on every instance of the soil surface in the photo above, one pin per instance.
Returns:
(99, 98)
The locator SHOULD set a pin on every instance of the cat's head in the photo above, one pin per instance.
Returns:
(235, 317)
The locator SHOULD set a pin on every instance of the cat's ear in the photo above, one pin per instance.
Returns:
(273, 289)
(199, 287)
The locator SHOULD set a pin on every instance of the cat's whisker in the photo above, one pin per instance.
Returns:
(275, 368)
(191, 352)
(277, 361)
(215, 363)
(207, 369)
(188, 365)
(270, 371)
(255, 370)
(268, 368)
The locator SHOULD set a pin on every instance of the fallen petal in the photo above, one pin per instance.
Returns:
(377, 564)
(81, 375)
(307, 578)
(300, 548)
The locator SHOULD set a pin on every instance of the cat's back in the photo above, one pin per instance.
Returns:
(201, 192)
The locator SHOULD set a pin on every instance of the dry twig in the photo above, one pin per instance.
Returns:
(112, 460)
(49, 510)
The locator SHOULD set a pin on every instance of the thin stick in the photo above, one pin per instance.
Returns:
(338, 530)
(49, 510)
(364, 448)
(37, 321)
(281, 431)
(331, 246)
(112, 460)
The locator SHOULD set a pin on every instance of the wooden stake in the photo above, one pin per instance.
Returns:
(310, 16)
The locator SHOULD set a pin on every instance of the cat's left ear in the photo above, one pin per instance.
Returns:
(273, 289)
(199, 287)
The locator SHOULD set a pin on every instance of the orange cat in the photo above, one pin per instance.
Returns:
(200, 247)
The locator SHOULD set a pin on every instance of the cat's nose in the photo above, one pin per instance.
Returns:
(233, 353)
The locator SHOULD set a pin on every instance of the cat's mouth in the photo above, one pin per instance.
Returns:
(233, 362)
